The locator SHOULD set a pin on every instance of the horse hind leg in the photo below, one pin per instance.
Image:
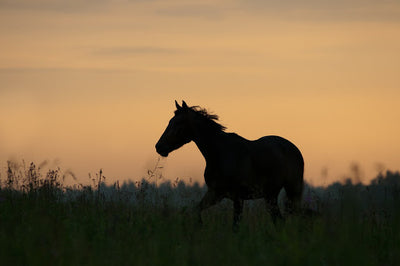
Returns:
(293, 193)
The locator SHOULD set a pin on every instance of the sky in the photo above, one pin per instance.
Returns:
(89, 85)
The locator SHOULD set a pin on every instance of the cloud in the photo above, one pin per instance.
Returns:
(356, 10)
(66, 6)
(193, 10)
(47, 70)
(69, 6)
(116, 51)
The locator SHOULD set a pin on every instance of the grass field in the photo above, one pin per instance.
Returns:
(44, 223)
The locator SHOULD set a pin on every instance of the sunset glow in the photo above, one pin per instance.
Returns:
(91, 84)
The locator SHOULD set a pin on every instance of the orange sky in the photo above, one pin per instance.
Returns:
(91, 84)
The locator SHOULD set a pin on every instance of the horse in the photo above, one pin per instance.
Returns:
(237, 168)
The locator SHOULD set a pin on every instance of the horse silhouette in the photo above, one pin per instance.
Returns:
(237, 168)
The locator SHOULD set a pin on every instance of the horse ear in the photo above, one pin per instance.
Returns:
(177, 106)
(184, 105)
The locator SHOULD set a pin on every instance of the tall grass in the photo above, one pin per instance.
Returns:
(43, 222)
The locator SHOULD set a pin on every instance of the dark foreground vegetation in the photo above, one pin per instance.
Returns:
(43, 222)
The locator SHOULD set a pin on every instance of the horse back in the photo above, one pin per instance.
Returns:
(278, 150)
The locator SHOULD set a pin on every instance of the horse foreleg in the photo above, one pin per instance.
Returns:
(237, 213)
(208, 200)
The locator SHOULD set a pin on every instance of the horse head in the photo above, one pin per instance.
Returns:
(178, 131)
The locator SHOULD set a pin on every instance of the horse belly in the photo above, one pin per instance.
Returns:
(247, 192)
(239, 175)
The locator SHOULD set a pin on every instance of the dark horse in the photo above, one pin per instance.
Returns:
(237, 168)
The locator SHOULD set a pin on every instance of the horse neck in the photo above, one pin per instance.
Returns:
(207, 141)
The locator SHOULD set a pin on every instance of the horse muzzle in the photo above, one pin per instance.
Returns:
(160, 150)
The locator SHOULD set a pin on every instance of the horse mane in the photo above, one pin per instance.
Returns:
(209, 119)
